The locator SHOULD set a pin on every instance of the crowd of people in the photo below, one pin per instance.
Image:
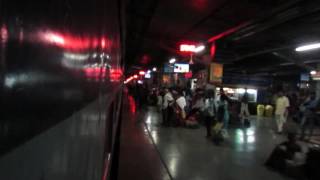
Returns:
(185, 108)
(181, 107)
(302, 109)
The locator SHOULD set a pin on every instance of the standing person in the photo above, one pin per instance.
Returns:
(244, 111)
(197, 104)
(181, 106)
(309, 115)
(160, 99)
(282, 105)
(209, 111)
(167, 100)
(223, 104)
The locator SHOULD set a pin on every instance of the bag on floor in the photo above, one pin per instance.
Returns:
(191, 122)
(217, 127)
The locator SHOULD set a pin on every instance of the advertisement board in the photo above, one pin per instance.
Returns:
(181, 68)
(216, 73)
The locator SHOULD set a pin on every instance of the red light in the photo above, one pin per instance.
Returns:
(188, 75)
(103, 43)
(142, 73)
(227, 32)
(213, 50)
(95, 43)
(132, 104)
(4, 34)
(115, 74)
(55, 38)
(128, 79)
(92, 72)
(187, 48)
(69, 41)
(135, 76)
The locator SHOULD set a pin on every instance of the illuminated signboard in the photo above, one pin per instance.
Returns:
(216, 73)
(187, 48)
(181, 68)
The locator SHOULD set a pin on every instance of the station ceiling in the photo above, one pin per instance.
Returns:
(251, 36)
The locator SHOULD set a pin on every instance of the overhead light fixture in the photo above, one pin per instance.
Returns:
(142, 73)
(240, 90)
(154, 69)
(172, 60)
(308, 47)
(147, 76)
(251, 91)
(199, 48)
(313, 72)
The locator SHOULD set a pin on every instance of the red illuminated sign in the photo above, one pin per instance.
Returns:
(213, 50)
(187, 48)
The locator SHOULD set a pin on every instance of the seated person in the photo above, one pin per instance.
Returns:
(283, 153)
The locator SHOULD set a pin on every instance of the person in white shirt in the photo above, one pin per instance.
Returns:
(281, 113)
(244, 110)
(159, 100)
(167, 101)
(181, 105)
(181, 102)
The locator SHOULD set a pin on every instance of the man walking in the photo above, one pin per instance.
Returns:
(282, 104)
(167, 100)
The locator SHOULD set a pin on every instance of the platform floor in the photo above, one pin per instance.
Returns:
(185, 154)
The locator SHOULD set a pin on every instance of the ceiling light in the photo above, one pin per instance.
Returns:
(172, 60)
(308, 47)
(251, 91)
(313, 72)
(142, 73)
(240, 90)
(199, 49)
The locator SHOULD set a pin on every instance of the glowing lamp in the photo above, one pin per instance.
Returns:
(199, 49)
(308, 47)
(313, 72)
(142, 73)
(103, 43)
(172, 60)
